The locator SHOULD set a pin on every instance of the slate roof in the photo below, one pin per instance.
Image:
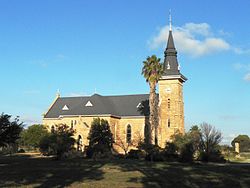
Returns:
(121, 105)
(171, 58)
(171, 65)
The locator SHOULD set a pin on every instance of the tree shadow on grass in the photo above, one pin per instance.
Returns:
(45, 172)
(165, 174)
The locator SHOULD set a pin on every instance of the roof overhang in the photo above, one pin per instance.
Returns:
(174, 77)
(94, 115)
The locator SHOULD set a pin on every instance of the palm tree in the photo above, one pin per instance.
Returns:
(152, 71)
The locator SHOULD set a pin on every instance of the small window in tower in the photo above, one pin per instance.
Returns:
(75, 122)
(168, 122)
(168, 103)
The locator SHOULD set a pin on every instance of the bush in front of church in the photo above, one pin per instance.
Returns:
(100, 139)
(136, 154)
(58, 142)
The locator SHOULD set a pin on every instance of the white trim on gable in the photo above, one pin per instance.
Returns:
(88, 104)
(65, 107)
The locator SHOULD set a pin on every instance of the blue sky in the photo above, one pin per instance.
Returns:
(79, 46)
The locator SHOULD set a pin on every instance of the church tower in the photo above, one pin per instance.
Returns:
(171, 105)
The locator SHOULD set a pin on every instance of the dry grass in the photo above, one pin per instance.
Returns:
(35, 171)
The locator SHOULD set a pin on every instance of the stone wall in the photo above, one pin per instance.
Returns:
(118, 126)
(171, 109)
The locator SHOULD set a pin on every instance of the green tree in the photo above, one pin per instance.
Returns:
(244, 142)
(152, 71)
(58, 142)
(184, 145)
(32, 136)
(9, 130)
(210, 139)
(100, 138)
(187, 144)
(195, 135)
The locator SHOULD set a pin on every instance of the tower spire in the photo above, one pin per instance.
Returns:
(171, 65)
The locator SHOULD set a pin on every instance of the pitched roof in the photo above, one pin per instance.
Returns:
(171, 66)
(121, 105)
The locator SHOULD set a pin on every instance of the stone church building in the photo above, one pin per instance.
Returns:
(125, 113)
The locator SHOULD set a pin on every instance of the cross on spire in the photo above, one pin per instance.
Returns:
(170, 20)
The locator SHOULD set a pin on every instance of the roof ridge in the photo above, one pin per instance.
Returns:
(125, 95)
(89, 96)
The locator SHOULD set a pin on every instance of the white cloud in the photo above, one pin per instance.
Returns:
(247, 77)
(201, 29)
(192, 39)
(245, 68)
(60, 57)
(241, 51)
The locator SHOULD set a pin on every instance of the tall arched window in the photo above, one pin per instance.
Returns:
(129, 133)
(168, 103)
(79, 143)
(72, 124)
(168, 122)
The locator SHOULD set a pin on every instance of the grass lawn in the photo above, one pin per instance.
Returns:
(34, 171)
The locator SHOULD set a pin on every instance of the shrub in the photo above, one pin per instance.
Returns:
(21, 151)
(214, 156)
(98, 152)
(57, 142)
(156, 156)
(187, 152)
(136, 154)
(170, 152)
(100, 139)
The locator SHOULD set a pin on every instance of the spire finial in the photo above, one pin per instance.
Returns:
(170, 20)
(58, 93)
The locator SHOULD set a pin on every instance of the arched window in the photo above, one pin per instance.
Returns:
(52, 128)
(79, 143)
(168, 122)
(129, 133)
(72, 124)
(75, 122)
(168, 103)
